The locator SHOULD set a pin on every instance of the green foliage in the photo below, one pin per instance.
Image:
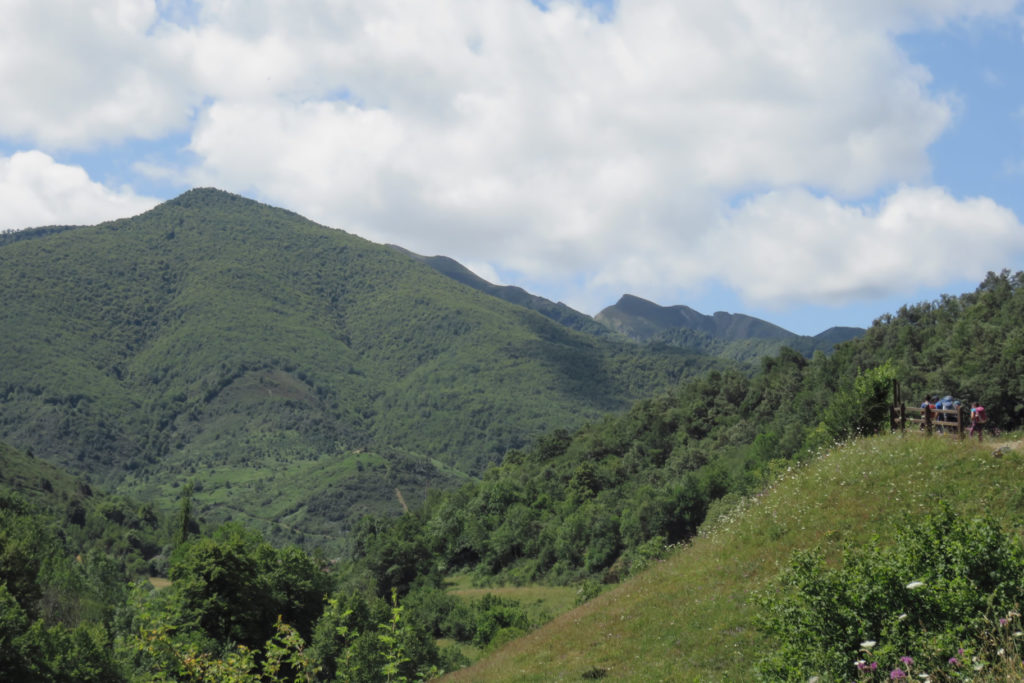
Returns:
(218, 340)
(32, 651)
(930, 596)
(861, 409)
(234, 585)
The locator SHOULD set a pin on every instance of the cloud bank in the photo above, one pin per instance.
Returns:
(35, 191)
(664, 145)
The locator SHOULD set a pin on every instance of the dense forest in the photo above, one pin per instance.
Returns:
(304, 372)
(586, 505)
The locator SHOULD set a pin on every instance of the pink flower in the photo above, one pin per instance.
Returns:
(897, 674)
(907, 659)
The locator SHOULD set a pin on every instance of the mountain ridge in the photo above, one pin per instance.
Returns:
(645, 321)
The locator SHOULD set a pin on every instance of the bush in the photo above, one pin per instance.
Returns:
(934, 597)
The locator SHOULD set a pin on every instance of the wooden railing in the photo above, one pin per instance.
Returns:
(952, 421)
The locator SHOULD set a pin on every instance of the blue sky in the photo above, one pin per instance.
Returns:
(810, 163)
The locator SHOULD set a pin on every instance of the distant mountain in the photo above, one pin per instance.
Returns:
(558, 312)
(300, 375)
(732, 335)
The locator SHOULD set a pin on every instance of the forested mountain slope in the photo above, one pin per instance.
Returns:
(218, 339)
(558, 312)
(590, 503)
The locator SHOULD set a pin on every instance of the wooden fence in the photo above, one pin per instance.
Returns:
(951, 421)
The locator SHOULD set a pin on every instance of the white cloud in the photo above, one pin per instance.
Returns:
(835, 253)
(35, 190)
(549, 144)
(79, 73)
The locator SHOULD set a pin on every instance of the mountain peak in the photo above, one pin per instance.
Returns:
(199, 197)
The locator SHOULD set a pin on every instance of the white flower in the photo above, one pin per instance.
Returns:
(868, 644)
(902, 617)
(914, 584)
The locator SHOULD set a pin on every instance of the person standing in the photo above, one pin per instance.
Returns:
(978, 419)
(927, 413)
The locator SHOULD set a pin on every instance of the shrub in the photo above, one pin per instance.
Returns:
(931, 598)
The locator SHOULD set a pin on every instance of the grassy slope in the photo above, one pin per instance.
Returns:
(38, 482)
(689, 618)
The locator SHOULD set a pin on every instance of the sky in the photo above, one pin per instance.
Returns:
(809, 162)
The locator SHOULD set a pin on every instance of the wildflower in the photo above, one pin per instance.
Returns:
(1003, 621)
(907, 660)
(953, 661)
(897, 674)
(901, 617)
(868, 644)
(860, 664)
(914, 585)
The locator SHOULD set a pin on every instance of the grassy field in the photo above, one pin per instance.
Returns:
(537, 600)
(690, 617)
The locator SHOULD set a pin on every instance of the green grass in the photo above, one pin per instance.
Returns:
(690, 617)
(536, 599)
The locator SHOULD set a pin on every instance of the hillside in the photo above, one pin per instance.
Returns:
(218, 339)
(732, 335)
(91, 520)
(690, 617)
(558, 312)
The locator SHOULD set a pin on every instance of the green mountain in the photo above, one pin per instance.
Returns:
(731, 335)
(300, 375)
(558, 312)
(734, 336)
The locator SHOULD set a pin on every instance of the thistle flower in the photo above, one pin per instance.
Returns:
(897, 674)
